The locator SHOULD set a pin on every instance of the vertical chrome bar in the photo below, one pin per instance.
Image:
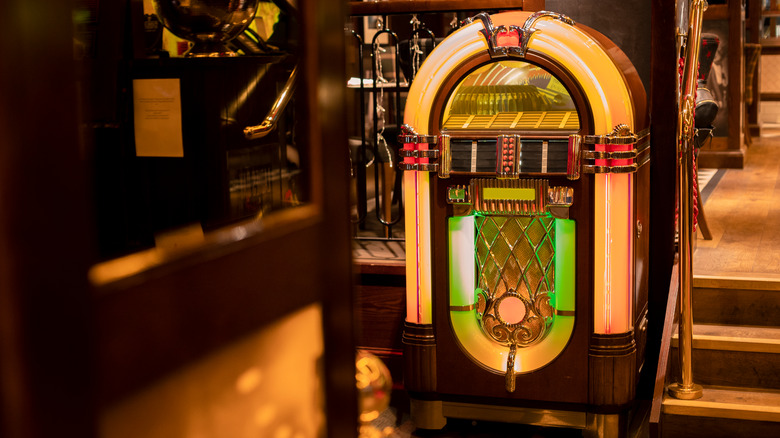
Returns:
(686, 389)
(573, 163)
(445, 156)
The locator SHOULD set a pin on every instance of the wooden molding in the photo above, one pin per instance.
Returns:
(412, 6)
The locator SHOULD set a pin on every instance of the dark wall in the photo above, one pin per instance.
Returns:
(625, 22)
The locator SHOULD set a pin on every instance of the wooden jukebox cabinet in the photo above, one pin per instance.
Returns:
(526, 184)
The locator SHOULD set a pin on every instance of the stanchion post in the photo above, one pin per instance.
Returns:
(686, 389)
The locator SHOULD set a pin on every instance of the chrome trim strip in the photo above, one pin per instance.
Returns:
(409, 136)
(423, 167)
(609, 140)
(417, 139)
(541, 14)
(640, 154)
(445, 159)
(614, 155)
(473, 155)
(463, 308)
(574, 159)
(631, 168)
(620, 135)
(419, 153)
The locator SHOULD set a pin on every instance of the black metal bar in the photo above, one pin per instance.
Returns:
(360, 166)
(388, 223)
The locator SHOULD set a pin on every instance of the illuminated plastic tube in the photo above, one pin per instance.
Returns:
(417, 216)
(463, 313)
(613, 264)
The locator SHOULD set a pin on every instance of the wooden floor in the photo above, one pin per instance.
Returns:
(743, 213)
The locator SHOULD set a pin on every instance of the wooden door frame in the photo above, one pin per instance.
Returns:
(65, 344)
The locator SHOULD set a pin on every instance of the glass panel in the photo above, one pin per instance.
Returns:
(510, 95)
(187, 145)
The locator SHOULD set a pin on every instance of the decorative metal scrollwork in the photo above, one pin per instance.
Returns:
(515, 258)
(500, 49)
(417, 160)
(541, 14)
(624, 151)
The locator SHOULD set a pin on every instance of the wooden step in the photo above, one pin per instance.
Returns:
(733, 356)
(723, 412)
(747, 299)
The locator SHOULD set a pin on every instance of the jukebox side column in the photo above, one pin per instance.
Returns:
(418, 338)
(614, 160)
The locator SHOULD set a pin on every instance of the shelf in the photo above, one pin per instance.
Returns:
(387, 7)
(768, 44)
(774, 97)
(717, 12)
(368, 84)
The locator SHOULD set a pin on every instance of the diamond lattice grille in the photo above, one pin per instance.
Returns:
(515, 257)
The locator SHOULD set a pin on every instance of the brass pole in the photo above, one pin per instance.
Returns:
(686, 389)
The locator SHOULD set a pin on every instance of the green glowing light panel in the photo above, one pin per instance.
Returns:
(512, 284)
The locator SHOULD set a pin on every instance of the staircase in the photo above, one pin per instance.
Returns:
(736, 358)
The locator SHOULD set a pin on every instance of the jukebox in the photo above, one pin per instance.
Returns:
(526, 182)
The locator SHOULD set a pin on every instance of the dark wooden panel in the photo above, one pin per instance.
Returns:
(770, 96)
(380, 310)
(716, 12)
(46, 383)
(732, 368)
(710, 427)
(612, 371)
(150, 324)
(407, 6)
(739, 307)
(721, 159)
(381, 267)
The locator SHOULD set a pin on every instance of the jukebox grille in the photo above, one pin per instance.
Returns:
(515, 258)
(526, 120)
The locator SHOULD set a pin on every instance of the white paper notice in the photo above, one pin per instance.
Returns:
(157, 112)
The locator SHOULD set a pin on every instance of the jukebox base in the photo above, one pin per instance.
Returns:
(433, 415)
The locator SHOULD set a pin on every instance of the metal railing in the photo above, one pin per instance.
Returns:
(380, 119)
(685, 388)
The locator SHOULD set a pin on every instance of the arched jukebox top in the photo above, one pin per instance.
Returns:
(545, 61)
(516, 106)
